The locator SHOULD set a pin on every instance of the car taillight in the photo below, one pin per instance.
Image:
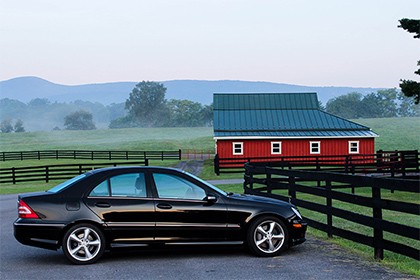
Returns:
(25, 211)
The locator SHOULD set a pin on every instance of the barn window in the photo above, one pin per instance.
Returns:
(275, 148)
(238, 148)
(353, 147)
(315, 147)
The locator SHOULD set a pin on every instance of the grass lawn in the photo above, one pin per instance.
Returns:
(142, 139)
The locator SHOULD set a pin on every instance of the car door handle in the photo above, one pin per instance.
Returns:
(103, 204)
(164, 206)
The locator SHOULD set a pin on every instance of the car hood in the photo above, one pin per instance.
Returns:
(256, 198)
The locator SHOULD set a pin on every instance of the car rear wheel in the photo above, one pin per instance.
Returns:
(267, 237)
(83, 244)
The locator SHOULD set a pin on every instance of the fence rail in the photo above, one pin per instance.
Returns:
(55, 172)
(392, 162)
(263, 180)
(90, 155)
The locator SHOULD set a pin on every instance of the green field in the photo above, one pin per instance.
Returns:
(110, 139)
(395, 134)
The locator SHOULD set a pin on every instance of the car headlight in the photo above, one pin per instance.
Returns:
(297, 213)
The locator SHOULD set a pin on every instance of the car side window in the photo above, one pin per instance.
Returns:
(125, 185)
(101, 189)
(172, 186)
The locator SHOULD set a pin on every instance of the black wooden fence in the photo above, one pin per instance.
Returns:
(392, 162)
(263, 180)
(90, 155)
(55, 172)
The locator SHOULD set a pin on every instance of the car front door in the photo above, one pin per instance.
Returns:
(124, 203)
(187, 210)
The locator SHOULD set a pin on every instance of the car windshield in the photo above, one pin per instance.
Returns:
(207, 184)
(66, 184)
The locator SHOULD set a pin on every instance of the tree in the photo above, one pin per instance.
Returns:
(39, 102)
(380, 104)
(6, 126)
(79, 120)
(408, 87)
(147, 104)
(186, 113)
(346, 106)
(406, 107)
(19, 126)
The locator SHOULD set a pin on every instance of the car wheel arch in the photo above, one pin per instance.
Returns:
(72, 224)
(251, 219)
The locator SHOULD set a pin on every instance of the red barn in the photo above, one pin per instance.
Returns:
(283, 124)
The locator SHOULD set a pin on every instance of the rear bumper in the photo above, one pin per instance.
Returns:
(47, 236)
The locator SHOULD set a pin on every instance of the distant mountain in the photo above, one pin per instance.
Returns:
(27, 88)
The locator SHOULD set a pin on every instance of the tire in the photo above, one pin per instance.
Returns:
(83, 244)
(267, 237)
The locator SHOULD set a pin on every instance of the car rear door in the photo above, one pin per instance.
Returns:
(183, 212)
(124, 203)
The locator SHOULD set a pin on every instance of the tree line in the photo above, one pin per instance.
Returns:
(387, 103)
(147, 106)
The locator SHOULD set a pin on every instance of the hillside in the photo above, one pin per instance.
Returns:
(27, 88)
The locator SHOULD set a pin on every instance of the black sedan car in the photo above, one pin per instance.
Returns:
(108, 207)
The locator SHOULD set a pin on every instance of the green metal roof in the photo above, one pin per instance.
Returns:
(264, 101)
(279, 115)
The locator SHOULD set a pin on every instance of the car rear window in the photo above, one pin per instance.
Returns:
(67, 183)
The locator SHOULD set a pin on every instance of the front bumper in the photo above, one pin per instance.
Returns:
(298, 233)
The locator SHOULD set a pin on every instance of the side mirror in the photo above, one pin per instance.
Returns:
(210, 198)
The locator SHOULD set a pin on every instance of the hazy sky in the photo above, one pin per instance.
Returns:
(307, 42)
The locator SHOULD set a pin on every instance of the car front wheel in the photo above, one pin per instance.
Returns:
(83, 244)
(267, 237)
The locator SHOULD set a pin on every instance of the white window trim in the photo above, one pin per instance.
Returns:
(357, 147)
(272, 148)
(311, 143)
(233, 148)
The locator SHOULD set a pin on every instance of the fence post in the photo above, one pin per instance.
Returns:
(146, 162)
(179, 154)
(346, 168)
(378, 236)
(328, 196)
(292, 189)
(47, 174)
(14, 175)
(39, 155)
(268, 180)
(216, 165)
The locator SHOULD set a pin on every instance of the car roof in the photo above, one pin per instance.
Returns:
(105, 169)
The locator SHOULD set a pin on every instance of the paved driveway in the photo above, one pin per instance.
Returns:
(314, 259)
